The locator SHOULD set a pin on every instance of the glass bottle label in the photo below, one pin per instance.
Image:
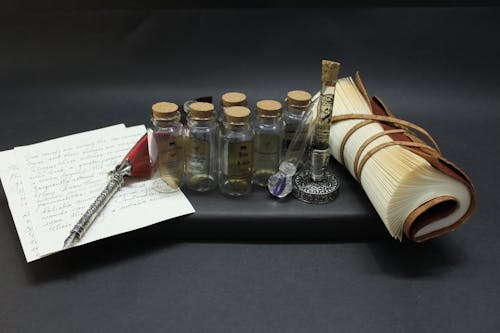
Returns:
(198, 156)
(288, 137)
(322, 133)
(170, 158)
(267, 148)
(240, 157)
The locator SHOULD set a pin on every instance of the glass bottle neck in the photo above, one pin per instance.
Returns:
(243, 103)
(165, 122)
(296, 109)
(267, 120)
(237, 126)
(201, 122)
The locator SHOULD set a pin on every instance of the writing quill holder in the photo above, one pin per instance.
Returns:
(316, 184)
(135, 164)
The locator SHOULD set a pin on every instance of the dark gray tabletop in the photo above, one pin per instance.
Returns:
(257, 265)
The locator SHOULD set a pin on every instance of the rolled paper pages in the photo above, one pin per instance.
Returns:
(414, 189)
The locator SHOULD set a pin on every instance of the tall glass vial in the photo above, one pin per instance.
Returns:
(268, 128)
(168, 140)
(231, 99)
(297, 102)
(236, 152)
(201, 147)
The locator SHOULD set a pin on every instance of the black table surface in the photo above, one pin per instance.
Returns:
(254, 264)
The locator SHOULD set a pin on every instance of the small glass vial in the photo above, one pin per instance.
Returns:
(297, 102)
(231, 99)
(167, 136)
(236, 152)
(268, 128)
(201, 147)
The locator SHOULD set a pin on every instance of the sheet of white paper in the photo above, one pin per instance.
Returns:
(12, 181)
(62, 178)
(14, 191)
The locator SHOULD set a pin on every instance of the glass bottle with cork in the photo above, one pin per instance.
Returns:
(236, 152)
(231, 99)
(166, 143)
(201, 147)
(268, 128)
(297, 102)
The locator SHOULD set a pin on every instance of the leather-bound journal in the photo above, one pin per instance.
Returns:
(413, 187)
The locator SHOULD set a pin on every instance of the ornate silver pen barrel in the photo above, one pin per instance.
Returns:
(115, 182)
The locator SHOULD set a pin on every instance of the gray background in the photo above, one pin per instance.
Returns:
(63, 72)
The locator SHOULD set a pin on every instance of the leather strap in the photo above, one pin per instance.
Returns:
(402, 126)
(370, 140)
(348, 135)
(372, 152)
(361, 88)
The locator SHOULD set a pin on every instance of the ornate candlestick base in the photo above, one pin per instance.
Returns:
(315, 192)
(316, 185)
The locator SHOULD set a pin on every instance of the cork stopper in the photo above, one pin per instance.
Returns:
(329, 72)
(269, 107)
(164, 109)
(233, 99)
(298, 97)
(237, 114)
(201, 109)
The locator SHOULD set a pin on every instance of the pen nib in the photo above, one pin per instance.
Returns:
(70, 241)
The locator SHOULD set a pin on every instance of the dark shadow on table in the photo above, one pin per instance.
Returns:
(145, 242)
(94, 256)
(408, 260)
(400, 260)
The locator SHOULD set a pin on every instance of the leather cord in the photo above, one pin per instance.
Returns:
(348, 135)
(401, 127)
